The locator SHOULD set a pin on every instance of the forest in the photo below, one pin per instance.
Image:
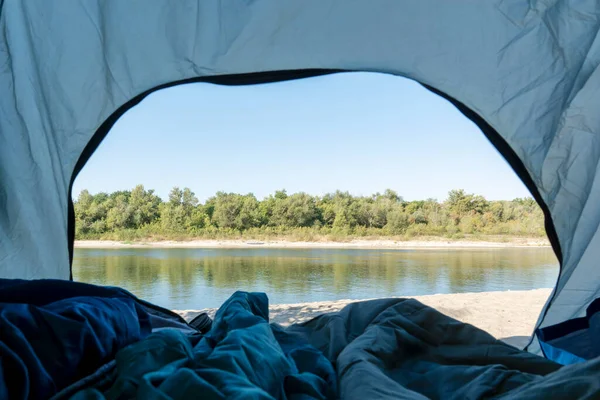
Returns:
(140, 214)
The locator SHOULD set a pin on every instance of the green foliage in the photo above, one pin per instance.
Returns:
(144, 206)
(461, 205)
(297, 210)
(397, 221)
(181, 212)
(139, 214)
(234, 211)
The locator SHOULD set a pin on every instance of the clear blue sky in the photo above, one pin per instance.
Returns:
(357, 132)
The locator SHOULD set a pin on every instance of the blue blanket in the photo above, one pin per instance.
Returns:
(55, 332)
(242, 357)
(381, 349)
(45, 348)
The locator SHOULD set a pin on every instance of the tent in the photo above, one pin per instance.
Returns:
(526, 72)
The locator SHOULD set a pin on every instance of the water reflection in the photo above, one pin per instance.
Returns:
(198, 278)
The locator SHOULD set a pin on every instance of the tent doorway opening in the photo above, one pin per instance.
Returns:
(317, 190)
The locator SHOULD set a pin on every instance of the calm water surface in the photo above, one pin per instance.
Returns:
(200, 278)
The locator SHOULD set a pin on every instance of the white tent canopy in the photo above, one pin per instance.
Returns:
(525, 71)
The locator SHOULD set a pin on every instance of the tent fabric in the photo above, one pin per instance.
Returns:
(528, 69)
(575, 340)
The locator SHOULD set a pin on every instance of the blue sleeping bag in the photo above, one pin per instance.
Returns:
(52, 334)
(242, 357)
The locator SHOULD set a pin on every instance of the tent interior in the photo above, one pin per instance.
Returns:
(527, 73)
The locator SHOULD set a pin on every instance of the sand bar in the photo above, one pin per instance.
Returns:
(509, 315)
(282, 244)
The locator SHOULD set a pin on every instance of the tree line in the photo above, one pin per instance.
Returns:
(140, 213)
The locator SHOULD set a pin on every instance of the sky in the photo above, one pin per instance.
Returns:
(357, 132)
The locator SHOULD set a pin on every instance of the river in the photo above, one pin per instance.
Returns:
(203, 278)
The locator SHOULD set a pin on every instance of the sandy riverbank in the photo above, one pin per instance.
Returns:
(353, 244)
(509, 315)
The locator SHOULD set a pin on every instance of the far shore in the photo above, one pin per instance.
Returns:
(434, 243)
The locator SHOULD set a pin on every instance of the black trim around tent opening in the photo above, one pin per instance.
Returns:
(286, 75)
(513, 160)
(517, 165)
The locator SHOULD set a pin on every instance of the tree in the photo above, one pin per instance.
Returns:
(249, 216)
(180, 212)
(341, 211)
(175, 196)
(361, 210)
(397, 221)
(380, 210)
(281, 194)
(120, 214)
(235, 211)
(392, 195)
(144, 206)
(188, 198)
(461, 213)
(265, 210)
(326, 210)
(414, 206)
(82, 211)
(462, 204)
(297, 210)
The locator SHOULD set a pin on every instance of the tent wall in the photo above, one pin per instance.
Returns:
(527, 68)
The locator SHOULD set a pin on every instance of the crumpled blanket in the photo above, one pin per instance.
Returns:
(54, 332)
(45, 348)
(380, 349)
(241, 357)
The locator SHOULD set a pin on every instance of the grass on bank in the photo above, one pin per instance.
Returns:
(155, 233)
